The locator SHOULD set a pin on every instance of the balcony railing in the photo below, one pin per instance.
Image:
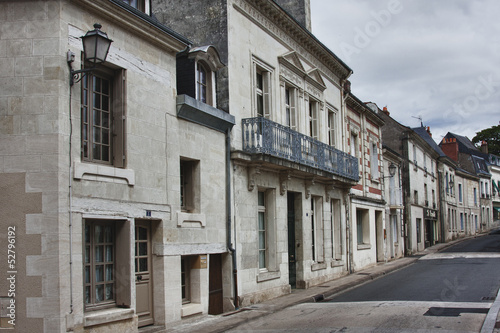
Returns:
(262, 136)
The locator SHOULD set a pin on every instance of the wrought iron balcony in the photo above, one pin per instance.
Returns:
(262, 136)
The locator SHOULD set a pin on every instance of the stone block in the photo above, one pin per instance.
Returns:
(19, 48)
(10, 86)
(23, 163)
(46, 46)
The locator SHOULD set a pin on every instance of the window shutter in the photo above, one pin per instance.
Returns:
(293, 110)
(119, 102)
(314, 114)
(319, 231)
(266, 92)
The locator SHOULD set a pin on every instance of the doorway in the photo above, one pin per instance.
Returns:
(292, 257)
(215, 298)
(143, 274)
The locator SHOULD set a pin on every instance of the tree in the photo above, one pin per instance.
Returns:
(491, 136)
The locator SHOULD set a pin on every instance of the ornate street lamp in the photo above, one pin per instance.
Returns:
(392, 169)
(95, 50)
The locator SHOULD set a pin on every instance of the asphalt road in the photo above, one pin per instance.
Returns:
(466, 272)
(450, 291)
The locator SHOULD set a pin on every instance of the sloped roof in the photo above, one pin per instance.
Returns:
(422, 132)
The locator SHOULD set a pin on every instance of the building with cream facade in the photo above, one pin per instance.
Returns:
(291, 173)
(113, 188)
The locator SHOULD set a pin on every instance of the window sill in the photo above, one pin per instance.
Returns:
(337, 263)
(266, 276)
(190, 309)
(107, 316)
(318, 266)
(98, 172)
(190, 220)
(364, 246)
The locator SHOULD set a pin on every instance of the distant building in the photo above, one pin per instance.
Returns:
(468, 157)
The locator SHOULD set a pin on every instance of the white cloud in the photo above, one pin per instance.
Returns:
(435, 59)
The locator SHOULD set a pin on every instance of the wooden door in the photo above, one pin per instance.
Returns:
(215, 285)
(143, 274)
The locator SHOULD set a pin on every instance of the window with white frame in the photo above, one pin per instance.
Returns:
(332, 125)
(266, 230)
(362, 226)
(262, 89)
(460, 196)
(353, 144)
(204, 91)
(262, 230)
(336, 226)
(313, 113)
(475, 196)
(447, 183)
(394, 219)
(461, 221)
(291, 107)
(374, 161)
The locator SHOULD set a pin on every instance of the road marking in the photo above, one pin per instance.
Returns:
(461, 255)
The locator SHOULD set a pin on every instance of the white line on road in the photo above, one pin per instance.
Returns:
(461, 255)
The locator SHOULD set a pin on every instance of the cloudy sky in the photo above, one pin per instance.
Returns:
(438, 60)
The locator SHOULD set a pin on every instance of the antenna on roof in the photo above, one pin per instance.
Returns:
(419, 118)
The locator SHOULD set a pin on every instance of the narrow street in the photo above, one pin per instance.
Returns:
(449, 291)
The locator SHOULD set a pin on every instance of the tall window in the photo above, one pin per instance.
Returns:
(354, 144)
(475, 196)
(99, 264)
(462, 221)
(460, 199)
(447, 184)
(262, 230)
(374, 161)
(103, 117)
(394, 219)
(317, 230)
(201, 83)
(262, 89)
(362, 226)
(336, 225)
(185, 279)
(415, 197)
(426, 195)
(313, 119)
(331, 127)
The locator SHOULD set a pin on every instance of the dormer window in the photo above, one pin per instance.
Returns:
(201, 83)
(142, 5)
(196, 73)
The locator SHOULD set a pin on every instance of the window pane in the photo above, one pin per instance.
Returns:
(105, 136)
(143, 264)
(262, 259)
(261, 199)
(87, 233)
(262, 225)
(109, 253)
(87, 274)
(87, 295)
(87, 254)
(143, 234)
(96, 82)
(259, 81)
(109, 272)
(260, 105)
(96, 152)
(99, 293)
(105, 153)
(143, 249)
(262, 239)
(98, 235)
(105, 87)
(108, 234)
(109, 292)
(99, 253)
(99, 273)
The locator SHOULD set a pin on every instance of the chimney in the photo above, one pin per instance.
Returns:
(429, 131)
(300, 10)
(484, 147)
(450, 148)
(385, 111)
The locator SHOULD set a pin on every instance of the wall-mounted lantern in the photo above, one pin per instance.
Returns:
(95, 50)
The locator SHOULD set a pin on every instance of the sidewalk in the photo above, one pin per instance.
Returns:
(224, 322)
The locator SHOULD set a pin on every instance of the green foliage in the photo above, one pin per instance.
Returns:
(491, 136)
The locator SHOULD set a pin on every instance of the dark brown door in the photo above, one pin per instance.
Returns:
(215, 285)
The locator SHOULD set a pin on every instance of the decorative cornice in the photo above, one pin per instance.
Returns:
(270, 17)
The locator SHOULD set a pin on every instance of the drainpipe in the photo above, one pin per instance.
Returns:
(70, 204)
(228, 216)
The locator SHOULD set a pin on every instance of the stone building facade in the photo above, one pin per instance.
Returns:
(113, 188)
(364, 139)
(290, 173)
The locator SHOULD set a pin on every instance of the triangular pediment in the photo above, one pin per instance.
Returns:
(315, 75)
(292, 58)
